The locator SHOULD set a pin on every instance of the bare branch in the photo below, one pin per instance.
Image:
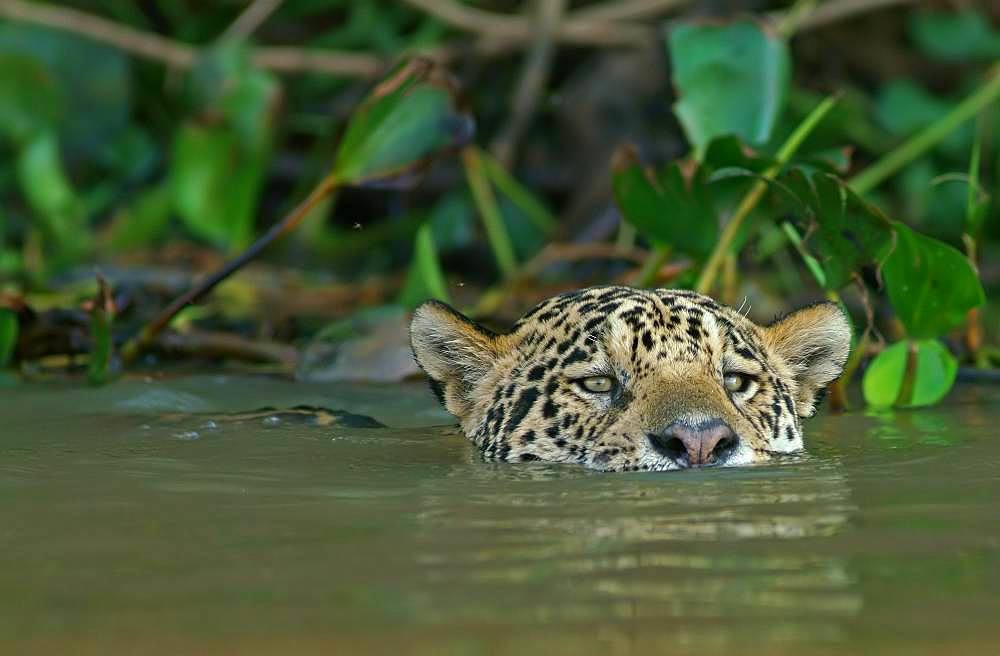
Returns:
(251, 18)
(181, 55)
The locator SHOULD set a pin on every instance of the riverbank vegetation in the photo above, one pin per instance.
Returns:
(272, 185)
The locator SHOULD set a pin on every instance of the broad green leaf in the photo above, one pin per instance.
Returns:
(931, 285)
(933, 375)
(843, 231)
(663, 207)
(29, 98)
(408, 119)
(884, 376)
(214, 187)
(955, 36)
(732, 79)
(8, 335)
(425, 279)
(219, 163)
(93, 79)
(55, 206)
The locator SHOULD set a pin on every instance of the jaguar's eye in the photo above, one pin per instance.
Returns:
(735, 383)
(597, 384)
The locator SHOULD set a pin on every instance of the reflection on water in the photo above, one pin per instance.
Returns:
(130, 528)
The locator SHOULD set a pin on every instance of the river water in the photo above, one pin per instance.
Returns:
(145, 518)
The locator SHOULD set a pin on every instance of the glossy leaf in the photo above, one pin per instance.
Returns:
(843, 231)
(884, 376)
(931, 285)
(8, 335)
(663, 206)
(933, 374)
(732, 79)
(425, 279)
(408, 119)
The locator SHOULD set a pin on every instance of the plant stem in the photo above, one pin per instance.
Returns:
(136, 345)
(486, 202)
(930, 136)
(647, 274)
(518, 194)
(707, 278)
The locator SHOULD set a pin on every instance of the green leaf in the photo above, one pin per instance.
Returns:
(955, 36)
(406, 121)
(884, 376)
(8, 335)
(844, 231)
(143, 221)
(218, 163)
(931, 285)
(55, 206)
(451, 220)
(663, 207)
(934, 370)
(935, 375)
(214, 187)
(93, 81)
(425, 279)
(732, 79)
(29, 98)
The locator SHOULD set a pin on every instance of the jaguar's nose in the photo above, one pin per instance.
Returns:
(688, 445)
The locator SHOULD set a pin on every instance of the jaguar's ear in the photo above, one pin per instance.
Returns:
(814, 342)
(454, 351)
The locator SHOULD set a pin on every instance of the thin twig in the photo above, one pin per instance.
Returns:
(625, 10)
(133, 348)
(181, 55)
(251, 18)
(211, 344)
(137, 42)
(836, 10)
(534, 77)
(520, 29)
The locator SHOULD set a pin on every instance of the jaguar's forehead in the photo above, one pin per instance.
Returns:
(589, 313)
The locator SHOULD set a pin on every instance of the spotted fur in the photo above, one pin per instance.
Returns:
(518, 396)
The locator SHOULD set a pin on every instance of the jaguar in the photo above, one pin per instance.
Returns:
(623, 379)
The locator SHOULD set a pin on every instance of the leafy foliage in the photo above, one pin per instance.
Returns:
(732, 79)
(748, 176)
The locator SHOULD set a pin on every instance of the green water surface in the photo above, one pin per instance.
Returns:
(142, 518)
